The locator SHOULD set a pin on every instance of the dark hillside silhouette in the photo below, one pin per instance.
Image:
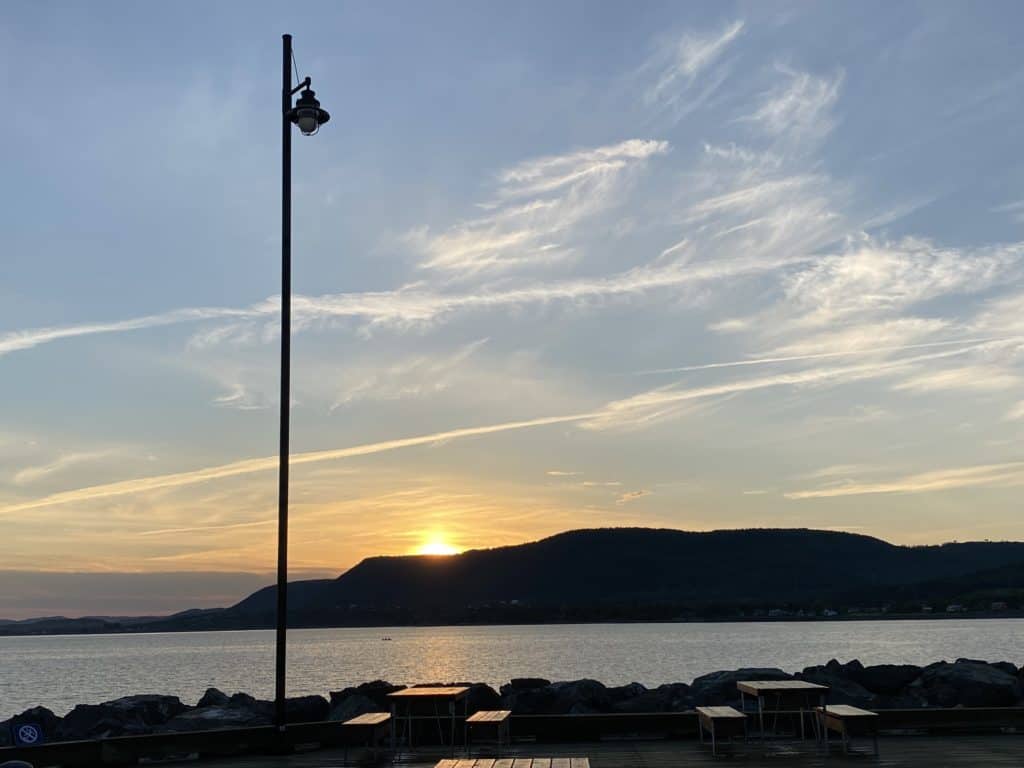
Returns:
(621, 574)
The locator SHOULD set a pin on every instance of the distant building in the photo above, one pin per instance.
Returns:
(955, 608)
(926, 609)
(829, 612)
(998, 605)
(776, 612)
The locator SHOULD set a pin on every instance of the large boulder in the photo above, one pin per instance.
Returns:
(482, 697)
(670, 697)
(1005, 666)
(842, 690)
(306, 709)
(524, 684)
(213, 697)
(376, 691)
(216, 716)
(538, 700)
(888, 679)
(571, 697)
(129, 715)
(240, 710)
(350, 706)
(718, 688)
(580, 697)
(967, 684)
(42, 717)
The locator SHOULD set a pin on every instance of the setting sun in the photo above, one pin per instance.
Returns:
(436, 545)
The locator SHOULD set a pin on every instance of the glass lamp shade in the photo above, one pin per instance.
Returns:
(307, 113)
(306, 120)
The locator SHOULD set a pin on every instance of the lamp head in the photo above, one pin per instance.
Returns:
(307, 113)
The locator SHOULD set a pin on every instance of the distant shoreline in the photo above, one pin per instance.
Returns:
(128, 630)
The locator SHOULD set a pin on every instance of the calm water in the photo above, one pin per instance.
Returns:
(60, 672)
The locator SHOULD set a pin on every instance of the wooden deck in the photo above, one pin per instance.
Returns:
(990, 751)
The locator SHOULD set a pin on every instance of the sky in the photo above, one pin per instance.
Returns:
(704, 265)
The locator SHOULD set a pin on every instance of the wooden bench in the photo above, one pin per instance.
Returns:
(720, 722)
(498, 719)
(847, 721)
(372, 727)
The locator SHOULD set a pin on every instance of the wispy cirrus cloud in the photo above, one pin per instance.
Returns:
(63, 462)
(1007, 474)
(247, 466)
(630, 496)
(881, 277)
(799, 107)
(969, 378)
(15, 341)
(684, 71)
(540, 202)
(1015, 208)
(657, 402)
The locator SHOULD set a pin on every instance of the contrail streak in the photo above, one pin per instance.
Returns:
(248, 466)
(822, 355)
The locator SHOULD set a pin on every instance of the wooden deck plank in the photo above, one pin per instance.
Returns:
(522, 762)
(978, 750)
(579, 762)
(542, 762)
(484, 763)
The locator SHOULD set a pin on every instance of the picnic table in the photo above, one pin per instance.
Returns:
(782, 697)
(437, 702)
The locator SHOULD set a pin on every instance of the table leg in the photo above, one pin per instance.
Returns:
(451, 715)
(393, 719)
(760, 714)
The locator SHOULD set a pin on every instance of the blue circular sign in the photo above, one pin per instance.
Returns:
(28, 734)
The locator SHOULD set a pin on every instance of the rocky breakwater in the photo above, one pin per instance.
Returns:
(963, 683)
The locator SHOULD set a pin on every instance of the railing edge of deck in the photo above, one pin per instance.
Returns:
(127, 750)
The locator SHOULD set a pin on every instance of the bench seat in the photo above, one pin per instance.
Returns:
(847, 720)
(498, 719)
(720, 722)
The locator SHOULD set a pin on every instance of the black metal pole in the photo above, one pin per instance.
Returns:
(286, 338)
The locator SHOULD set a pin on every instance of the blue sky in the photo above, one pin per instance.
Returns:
(704, 265)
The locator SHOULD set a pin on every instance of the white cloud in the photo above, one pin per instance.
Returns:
(1015, 208)
(972, 378)
(630, 496)
(66, 461)
(799, 107)
(1011, 473)
(881, 278)
(677, 63)
(656, 403)
(247, 466)
(18, 340)
(540, 202)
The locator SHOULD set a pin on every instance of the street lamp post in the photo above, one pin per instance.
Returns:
(308, 116)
